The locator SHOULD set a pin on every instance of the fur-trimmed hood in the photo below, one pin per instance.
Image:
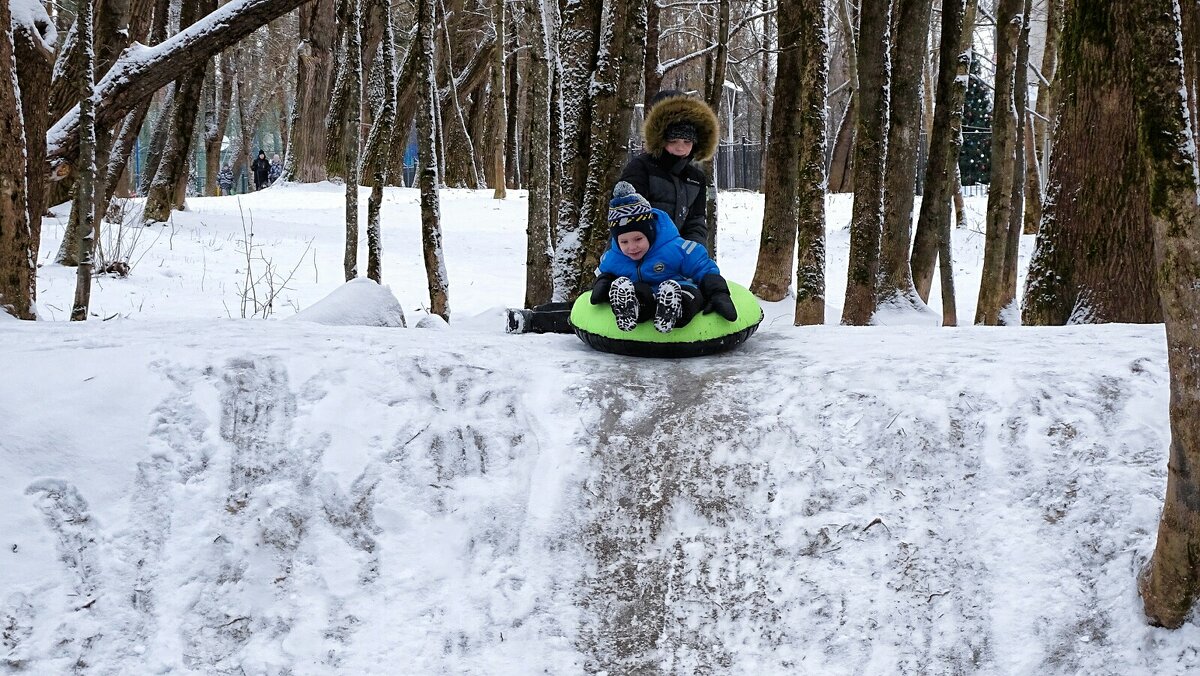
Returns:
(682, 109)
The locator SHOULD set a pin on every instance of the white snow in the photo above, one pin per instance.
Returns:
(192, 494)
(359, 302)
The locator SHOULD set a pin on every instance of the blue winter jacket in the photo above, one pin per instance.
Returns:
(670, 257)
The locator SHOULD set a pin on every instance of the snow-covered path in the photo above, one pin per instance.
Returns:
(271, 498)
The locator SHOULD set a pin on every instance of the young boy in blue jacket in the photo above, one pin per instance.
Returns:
(649, 270)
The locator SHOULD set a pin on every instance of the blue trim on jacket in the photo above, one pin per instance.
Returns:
(670, 257)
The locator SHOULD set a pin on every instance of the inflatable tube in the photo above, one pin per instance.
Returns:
(705, 334)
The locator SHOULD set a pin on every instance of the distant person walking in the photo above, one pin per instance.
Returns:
(262, 170)
(276, 169)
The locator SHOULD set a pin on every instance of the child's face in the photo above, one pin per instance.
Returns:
(633, 244)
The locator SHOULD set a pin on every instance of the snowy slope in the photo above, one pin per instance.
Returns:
(214, 496)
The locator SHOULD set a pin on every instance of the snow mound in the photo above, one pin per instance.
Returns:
(359, 302)
(434, 322)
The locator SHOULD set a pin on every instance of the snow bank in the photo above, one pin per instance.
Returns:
(359, 302)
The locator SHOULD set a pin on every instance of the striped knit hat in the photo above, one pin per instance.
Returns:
(629, 212)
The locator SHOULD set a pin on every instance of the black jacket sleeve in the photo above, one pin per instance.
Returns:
(695, 226)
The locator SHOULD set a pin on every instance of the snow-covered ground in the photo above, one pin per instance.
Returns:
(190, 494)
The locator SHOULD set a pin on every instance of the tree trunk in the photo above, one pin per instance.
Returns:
(652, 78)
(431, 228)
(904, 135)
(539, 282)
(214, 126)
(870, 162)
(578, 48)
(354, 78)
(87, 165)
(841, 169)
(814, 81)
(1033, 180)
(1043, 124)
(375, 156)
(314, 84)
(1094, 257)
(716, 91)
(34, 62)
(1004, 154)
(1016, 220)
(461, 169)
(1171, 581)
(499, 105)
(163, 195)
(617, 83)
(801, 63)
(932, 241)
(18, 263)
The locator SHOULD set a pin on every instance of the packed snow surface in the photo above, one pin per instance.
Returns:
(189, 493)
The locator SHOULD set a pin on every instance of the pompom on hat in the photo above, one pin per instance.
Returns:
(628, 212)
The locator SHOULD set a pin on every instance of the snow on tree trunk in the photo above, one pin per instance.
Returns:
(578, 49)
(431, 227)
(614, 92)
(539, 284)
(1094, 257)
(1004, 154)
(461, 169)
(499, 102)
(314, 82)
(1171, 582)
(18, 266)
(870, 162)
(814, 82)
(34, 61)
(904, 130)
(375, 155)
(354, 79)
(797, 107)
(87, 165)
(1016, 220)
(1043, 124)
(932, 240)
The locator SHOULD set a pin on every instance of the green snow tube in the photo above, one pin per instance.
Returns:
(705, 334)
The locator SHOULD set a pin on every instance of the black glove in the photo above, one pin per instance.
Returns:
(600, 288)
(716, 295)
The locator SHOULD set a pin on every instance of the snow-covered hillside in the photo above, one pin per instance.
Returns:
(186, 494)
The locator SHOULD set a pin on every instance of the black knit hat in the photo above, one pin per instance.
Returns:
(685, 131)
(629, 212)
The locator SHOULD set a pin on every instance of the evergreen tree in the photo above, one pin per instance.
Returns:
(975, 158)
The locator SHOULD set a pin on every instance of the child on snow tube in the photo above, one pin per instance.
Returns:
(650, 271)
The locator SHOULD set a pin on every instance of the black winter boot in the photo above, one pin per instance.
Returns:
(668, 305)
